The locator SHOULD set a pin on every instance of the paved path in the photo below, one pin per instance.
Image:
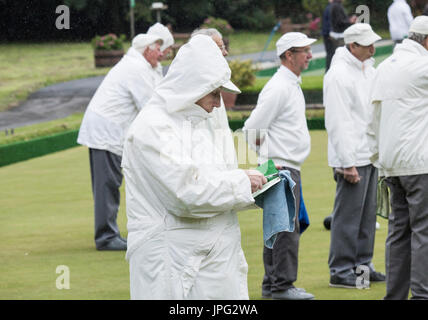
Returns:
(63, 99)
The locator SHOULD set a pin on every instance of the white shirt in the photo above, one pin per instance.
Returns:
(398, 130)
(280, 117)
(122, 94)
(346, 98)
(399, 17)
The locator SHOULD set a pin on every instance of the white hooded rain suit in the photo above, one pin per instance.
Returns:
(183, 231)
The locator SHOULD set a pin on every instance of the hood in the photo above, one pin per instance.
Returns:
(198, 68)
(402, 75)
(343, 55)
(163, 32)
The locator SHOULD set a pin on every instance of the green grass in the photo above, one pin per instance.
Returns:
(46, 220)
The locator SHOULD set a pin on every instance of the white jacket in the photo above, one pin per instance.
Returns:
(280, 117)
(400, 17)
(122, 94)
(398, 130)
(181, 199)
(346, 98)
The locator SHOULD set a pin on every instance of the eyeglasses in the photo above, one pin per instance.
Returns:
(306, 51)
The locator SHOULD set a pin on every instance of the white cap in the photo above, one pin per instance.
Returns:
(143, 40)
(420, 25)
(160, 30)
(361, 33)
(230, 87)
(292, 40)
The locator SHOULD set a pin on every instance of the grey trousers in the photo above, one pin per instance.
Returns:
(353, 225)
(281, 261)
(106, 176)
(406, 255)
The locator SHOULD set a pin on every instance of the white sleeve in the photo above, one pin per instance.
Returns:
(338, 120)
(373, 132)
(186, 188)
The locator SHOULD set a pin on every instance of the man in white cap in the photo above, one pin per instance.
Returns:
(346, 98)
(184, 240)
(398, 135)
(280, 123)
(163, 32)
(399, 17)
(122, 94)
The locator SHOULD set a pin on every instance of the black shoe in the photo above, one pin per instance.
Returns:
(115, 244)
(327, 222)
(377, 276)
(347, 282)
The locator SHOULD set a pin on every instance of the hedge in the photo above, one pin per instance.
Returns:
(26, 150)
(312, 96)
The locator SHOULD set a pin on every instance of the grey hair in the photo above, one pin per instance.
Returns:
(211, 32)
(418, 37)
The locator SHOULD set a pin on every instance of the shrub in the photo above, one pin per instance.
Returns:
(108, 42)
(220, 24)
(242, 73)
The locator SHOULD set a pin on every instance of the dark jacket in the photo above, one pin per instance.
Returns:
(339, 19)
(326, 23)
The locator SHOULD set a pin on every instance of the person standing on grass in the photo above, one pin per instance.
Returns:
(398, 135)
(346, 99)
(122, 94)
(326, 27)
(399, 17)
(279, 118)
(339, 21)
(184, 240)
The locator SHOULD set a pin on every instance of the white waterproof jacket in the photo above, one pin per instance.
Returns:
(124, 91)
(400, 18)
(346, 99)
(280, 118)
(398, 130)
(183, 231)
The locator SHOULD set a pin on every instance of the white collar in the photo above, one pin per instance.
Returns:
(290, 74)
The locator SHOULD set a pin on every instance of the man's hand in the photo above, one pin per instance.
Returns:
(351, 175)
(257, 179)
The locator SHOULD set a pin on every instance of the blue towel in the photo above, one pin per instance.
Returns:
(279, 211)
(303, 214)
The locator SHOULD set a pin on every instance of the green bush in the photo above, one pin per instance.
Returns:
(242, 73)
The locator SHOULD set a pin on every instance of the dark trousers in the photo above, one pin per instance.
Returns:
(106, 176)
(281, 261)
(353, 225)
(329, 50)
(406, 254)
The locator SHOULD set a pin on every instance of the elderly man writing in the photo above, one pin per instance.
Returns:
(398, 135)
(183, 232)
(122, 94)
